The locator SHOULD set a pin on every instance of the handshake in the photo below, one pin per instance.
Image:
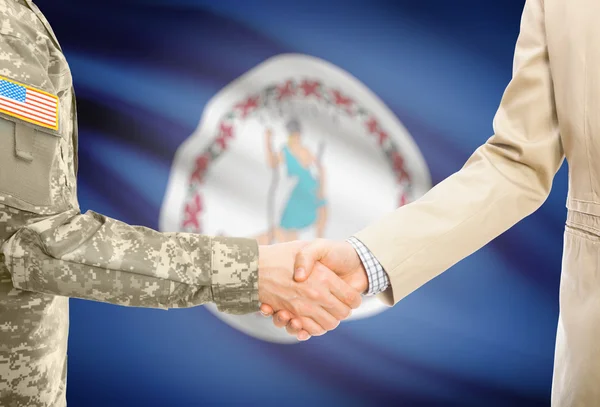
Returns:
(310, 287)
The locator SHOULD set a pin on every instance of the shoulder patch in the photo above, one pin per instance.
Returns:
(28, 104)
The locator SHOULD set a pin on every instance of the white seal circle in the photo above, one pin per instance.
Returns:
(296, 148)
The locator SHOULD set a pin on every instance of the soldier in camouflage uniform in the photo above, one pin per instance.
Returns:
(50, 251)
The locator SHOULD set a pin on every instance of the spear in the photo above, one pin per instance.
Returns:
(271, 196)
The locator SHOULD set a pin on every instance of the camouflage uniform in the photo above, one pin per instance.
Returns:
(50, 251)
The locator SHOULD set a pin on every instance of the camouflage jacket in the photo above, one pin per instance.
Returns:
(50, 251)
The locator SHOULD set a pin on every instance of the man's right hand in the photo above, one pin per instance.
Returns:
(338, 256)
(319, 303)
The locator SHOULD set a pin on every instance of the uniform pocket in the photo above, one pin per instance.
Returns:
(27, 159)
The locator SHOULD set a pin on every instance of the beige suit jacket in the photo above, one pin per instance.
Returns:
(549, 110)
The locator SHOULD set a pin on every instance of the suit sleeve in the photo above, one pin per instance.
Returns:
(505, 180)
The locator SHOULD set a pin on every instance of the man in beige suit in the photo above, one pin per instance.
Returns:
(550, 109)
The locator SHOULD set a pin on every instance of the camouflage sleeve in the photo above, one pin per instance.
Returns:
(60, 251)
(93, 257)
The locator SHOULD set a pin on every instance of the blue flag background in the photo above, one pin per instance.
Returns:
(481, 334)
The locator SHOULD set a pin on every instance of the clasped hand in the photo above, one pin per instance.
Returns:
(310, 287)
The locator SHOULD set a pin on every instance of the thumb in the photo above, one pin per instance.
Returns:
(306, 259)
(360, 284)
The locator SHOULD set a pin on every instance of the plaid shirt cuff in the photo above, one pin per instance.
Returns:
(378, 278)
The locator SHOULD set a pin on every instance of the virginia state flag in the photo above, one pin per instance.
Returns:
(282, 121)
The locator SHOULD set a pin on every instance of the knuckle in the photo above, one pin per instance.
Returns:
(312, 293)
(352, 298)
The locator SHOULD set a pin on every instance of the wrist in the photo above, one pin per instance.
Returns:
(273, 273)
(262, 272)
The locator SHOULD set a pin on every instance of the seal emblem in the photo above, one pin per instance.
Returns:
(296, 148)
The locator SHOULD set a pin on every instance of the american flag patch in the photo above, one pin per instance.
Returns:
(29, 104)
